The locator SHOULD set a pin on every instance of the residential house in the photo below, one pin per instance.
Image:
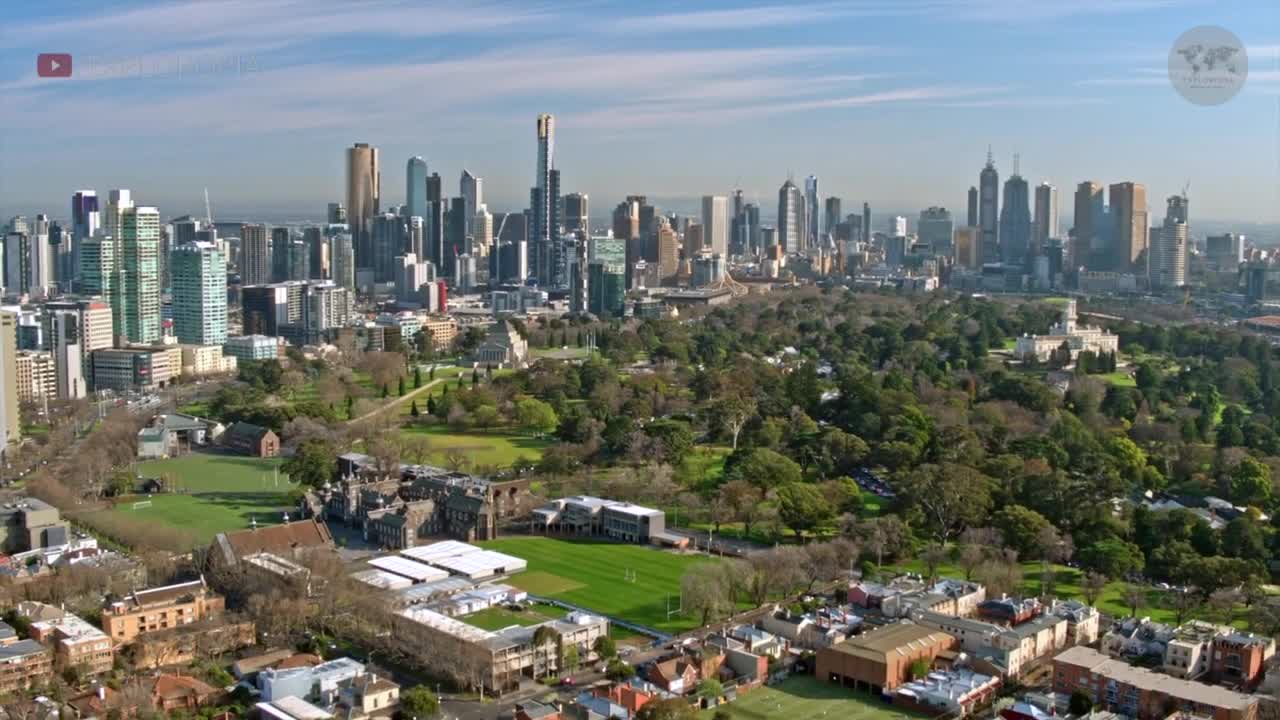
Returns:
(181, 692)
(759, 641)
(1240, 659)
(1007, 650)
(1136, 637)
(958, 598)
(534, 710)
(1082, 621)
(954, 693)
(24, 664)
(369, 695)
(680, 673)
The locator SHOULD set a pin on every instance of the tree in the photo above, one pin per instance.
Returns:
(1135, 597)
(1112, 558)
(618, 671)
(734, 411)
(803, 508)
(419, 703)
(417, 376)
(1022, 529)
(704, 591)
(668, 709)
(413, 409)
(1092, 586)
(1080, 704)
(950, 496)
(605, 647)
(919, 668)
(710, 689)
(536, 417)
(312, 463)
(400, 389)
(763, 468)
(933, 556)
(1250, 482)
(569, 657)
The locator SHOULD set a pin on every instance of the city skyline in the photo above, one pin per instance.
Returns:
(919, 115)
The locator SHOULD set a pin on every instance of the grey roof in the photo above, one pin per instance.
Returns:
(20, 649)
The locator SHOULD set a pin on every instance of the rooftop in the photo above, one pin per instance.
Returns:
(20, 649)
(877, 644)
(1123, 672)
(415, 571)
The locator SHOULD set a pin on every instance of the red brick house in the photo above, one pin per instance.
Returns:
(252, 440)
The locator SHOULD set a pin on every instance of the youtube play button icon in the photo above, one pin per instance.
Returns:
(53, 65)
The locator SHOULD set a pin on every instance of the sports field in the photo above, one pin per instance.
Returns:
(214, 493)
(496, 618)
(497, 448)
(598, 576)
(804, 698)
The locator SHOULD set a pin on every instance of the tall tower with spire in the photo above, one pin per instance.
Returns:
(989, 210)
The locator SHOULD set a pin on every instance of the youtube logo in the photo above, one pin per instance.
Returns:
(53, 65)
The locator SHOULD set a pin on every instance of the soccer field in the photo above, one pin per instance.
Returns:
(215, 493)
(598, 576)
(804, 698)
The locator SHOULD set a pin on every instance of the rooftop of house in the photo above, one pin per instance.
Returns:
(20, 649)
(173, 687)
(534, 709)
(952, 685)
(1120, 671)
(165, 595)
(276, 539)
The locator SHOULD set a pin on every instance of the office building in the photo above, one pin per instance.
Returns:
(606, 289)
(336, 214)
(455, 235)
(304, 313)
(1045, 218)
(63, 334)
(1224, 252)
(364, 198)
(317, 246)
(897, 226)
(471, 188)
(84, 222)
(1169, 257)
(510, 260)
(280, 239)
(411, 275)
(577, 211)
(968, 247)
(10, 420)
(199, 294)
(935, 229)
(715, 223)
(831, 215)
(790, 211)
(578, 272)
(812, 219)
(481, 234)
(138, 315)
(1129, 220)
(989, 211)
(415, 188)
(252, 347)
(255, 255)
(972, 217)
(1015, 220)
(626, 229)
(388, 242)
(866, 222)
(1087, 238)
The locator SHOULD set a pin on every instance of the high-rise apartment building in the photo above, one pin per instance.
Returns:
(543, 199)
(199, 294)
(626, 228)
(388, 242)
(790, 211)
(989, 211)
(343, 257)
(255, 255)
(897, 226)
(968, 247)
(139, 294)
(715, 223)
(318, 247)
(74, 330)
(84, 222)
(1045, 220)
(364, 198)
(1129, 218)
(281, 237)
(415, 188)
(666, 250)
(831, 215)
(972, 207)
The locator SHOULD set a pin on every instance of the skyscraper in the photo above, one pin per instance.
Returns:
(481, 233)
(471, 188)
(715, 224)
(578, 284)
(199, 294)
(626, 227)
(935, 229)
(542, 200)
(576, 212)
(751, 218)
(84, 222)
(10, 421)
(989, 211)
(455, 236)
(1088, 212)
(255, 255)
(897, 226)
(344, 261)
(281, 237)
(866, 222)
(1169, 258)
(1015, 219)
(1046, 216)
(790, 209)
(74, 329)
(415, 188)
(364, 197)
(812, 220)
(388, 236)
(832, 215)
(337, 214)
(1129, 218)
(139, 295)
(318, 246)
(666, 250)
(972, 217)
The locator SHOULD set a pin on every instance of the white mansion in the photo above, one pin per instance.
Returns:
(1077, 338)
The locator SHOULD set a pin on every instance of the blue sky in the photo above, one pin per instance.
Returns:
(889, 101)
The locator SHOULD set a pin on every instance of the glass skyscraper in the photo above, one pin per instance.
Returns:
(199, 294)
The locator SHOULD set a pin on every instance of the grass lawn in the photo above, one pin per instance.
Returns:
(803, 697)
(216, 493)
(1009, 344)
(564, 353)
(591, 574)
(496, 618)
(703, 467)
(1118, 378)
(496, 448)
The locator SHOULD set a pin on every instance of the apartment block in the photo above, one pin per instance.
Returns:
(161, 608)
(75, 643)
(24, 664)
(1119, 687)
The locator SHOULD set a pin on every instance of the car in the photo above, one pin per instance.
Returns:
(567, 682)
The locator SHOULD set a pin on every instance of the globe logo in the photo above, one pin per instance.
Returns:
(1208, 65)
